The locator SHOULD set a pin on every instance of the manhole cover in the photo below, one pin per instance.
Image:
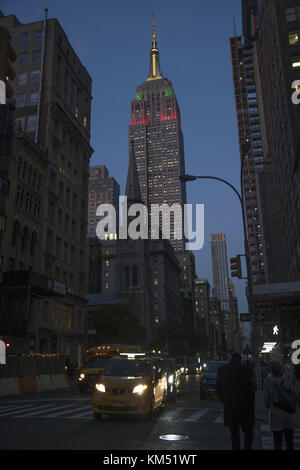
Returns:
(174, 437)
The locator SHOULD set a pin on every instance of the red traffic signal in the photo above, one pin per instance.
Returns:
(236, 267)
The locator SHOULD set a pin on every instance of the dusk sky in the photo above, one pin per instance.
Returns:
(113, 39)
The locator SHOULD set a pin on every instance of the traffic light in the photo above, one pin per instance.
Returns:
(7, 55)
(236, 267)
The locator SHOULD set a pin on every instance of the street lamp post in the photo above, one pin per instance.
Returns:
(187, 178)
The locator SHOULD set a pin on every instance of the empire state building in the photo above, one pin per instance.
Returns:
(155, 129)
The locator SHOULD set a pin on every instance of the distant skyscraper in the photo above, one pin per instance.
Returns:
(103, 189)
(220, 269)
(155, 128)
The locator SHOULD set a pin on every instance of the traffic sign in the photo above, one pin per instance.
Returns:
(260, 317)
(245, 317)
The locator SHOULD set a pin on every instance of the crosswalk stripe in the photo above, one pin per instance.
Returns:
(170, 415)
(85, 414)
(7, 408)
(34, 411)
(219, 419)
(59, 411)
(15, 411)
(195, 416)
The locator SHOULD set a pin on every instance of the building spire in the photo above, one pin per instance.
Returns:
(133, 192)
(154, 73)
(153, 32)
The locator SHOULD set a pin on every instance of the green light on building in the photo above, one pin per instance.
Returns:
(169, 91)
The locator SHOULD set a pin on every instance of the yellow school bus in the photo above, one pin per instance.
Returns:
(96, 360)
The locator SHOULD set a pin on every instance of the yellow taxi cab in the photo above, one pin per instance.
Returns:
(131, 384)
(96, 360)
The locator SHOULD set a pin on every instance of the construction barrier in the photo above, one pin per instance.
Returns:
(14, 386)
(31, 374)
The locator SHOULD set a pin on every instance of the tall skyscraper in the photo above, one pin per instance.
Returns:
(221, 279)
(272, 27)
(155, 128)
(249, 133)
(52, 90)
(220, 269)
(103, 189)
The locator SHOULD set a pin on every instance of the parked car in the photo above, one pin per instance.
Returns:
(173, 376)
(208, 380)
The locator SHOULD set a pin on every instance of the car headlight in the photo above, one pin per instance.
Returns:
(82, 376)
(140, 388)
(171, 379)
(100, 387)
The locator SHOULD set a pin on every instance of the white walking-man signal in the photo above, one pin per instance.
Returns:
(275, 330)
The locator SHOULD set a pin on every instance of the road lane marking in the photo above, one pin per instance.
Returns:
(85, 414)
(195, 416)
(219, 419)
(20, 410)
(35, 410)
(59, 411)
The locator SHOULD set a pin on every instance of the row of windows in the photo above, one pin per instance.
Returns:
(36, 57)
(36, 36)
(23, 239)
(34, 77)
(28, 124)
(29, 174)
(28, 203)
(32, 99)
(292, 13)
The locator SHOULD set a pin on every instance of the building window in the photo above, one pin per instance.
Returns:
(31, 123)
(2, 222)
(23, 60)
(25, 39)
(38, 36)
(135, 276)
(33, 98)
(36, 56)
(35, 76)
(21, 123)
(20, 100)
(22, 78)
(292, 13)
(293, 37)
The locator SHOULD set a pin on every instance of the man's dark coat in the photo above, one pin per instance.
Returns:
(236, 391)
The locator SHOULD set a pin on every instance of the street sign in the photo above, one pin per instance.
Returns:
(260, 317)
(245, 317)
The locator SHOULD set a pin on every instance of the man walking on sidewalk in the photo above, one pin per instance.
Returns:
(236, 392)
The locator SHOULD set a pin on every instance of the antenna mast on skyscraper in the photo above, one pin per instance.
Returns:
(234, 27)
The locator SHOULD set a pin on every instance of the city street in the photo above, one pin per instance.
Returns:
(63, 420)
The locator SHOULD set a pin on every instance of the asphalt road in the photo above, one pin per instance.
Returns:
(63, 420)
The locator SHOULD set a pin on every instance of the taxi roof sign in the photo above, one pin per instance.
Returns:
(132, 355)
